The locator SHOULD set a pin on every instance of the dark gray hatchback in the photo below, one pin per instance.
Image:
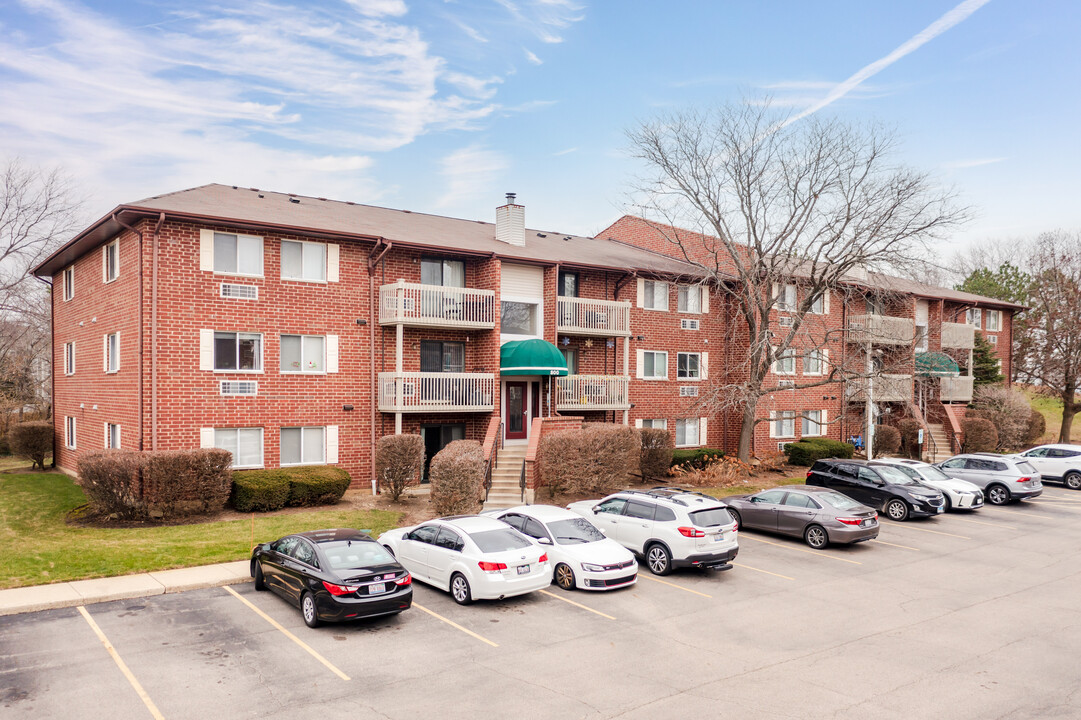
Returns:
(819, 515)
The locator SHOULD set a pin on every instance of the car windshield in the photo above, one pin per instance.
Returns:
(1026, 468)
(490, 541)
(910, 471)
(837, 500)
(343, 554)
(894, 476)
(575, 531)
(933, 474)
(712, 517)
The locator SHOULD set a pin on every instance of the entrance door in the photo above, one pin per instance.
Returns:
(437, 437)
(517, 410)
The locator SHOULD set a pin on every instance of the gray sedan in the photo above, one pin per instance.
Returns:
(819, 515)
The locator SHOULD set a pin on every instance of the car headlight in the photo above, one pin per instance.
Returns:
(589, 567)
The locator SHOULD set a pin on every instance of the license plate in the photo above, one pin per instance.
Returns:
(523, 569)
(941, 509)
(718, 537)
(376, 588)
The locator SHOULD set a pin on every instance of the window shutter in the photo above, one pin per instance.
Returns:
(106, 445)
(705, 299)
(772, 425)
(639, 363)
(703, 432)
(825, 362)
(662, 288)
(332, 444)
(206, 250)
(823, 428)
(206, 437)
(105, 353)
(641, 301)
(105, 262)
(332, 353)
(826, 302)
(704, 369)
(206, 349)
(118, 350)
(638, 423)
(333, 263)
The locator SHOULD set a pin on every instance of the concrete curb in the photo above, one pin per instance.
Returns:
(123, 587)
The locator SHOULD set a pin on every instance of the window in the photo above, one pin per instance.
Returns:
(69, 283)
(663, 514)
(448, 273)
(571, 358)
(110, 261)
(814, 363)
(654, 365)
(785, 364)
(800, 500)
(812, 423)
(69, 358)
(303, 354)
(613, 506)
(69, 432)
(687, 432)
(305, 553)
(785, 297)
(449, 540)
(238, 254)
(689, 299)
(568, 284)
(994, 320)
(303, 446)
(304, 261)
(973, 316)
(112, 436)
(640, 510)
(784, 424)
(246, 445)
(424, 534)
(771, 497)
(921, 338)
(687, 366)
(517, 318)
(242, 352)
(876, 305)
(442, 356)
(818, 305)
(654, 295)
(112, 353)
(655, 423)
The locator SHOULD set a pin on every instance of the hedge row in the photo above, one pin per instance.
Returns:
(265, 490)
(806, 451)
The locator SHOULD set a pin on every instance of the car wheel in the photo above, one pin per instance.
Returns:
(307, 609)
(948, 505)
(897, 510)
(659, 559)
(459, 589)
(816, 536)
(564, 577)
(998, 495)
(260, 581)
(1073, 480)
(736, 516)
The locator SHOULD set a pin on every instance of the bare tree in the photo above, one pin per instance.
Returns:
(771, 203)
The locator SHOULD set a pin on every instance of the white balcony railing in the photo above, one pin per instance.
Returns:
(955, 389)
(414, 392)
(593, 392)
(583, 316)
(881, 329)
(884, 388)
(436, 306)
(958, 336)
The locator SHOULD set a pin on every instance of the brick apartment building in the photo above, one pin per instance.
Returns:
(294, 330)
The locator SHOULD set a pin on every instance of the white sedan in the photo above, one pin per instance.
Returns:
(472, 557)
(582, 556)
(959, 494)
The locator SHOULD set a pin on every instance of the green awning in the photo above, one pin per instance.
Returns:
(531, 357)
(936, 364)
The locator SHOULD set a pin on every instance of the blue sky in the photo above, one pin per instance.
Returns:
(442, 106)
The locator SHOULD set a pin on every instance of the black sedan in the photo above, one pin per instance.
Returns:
(333, 575)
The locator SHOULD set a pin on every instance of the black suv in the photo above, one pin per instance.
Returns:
(894, 493)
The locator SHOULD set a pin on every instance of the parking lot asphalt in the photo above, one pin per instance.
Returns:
(962, 616)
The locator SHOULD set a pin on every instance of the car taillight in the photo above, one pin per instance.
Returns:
(850, 521)
(691, 532)
(340, 589)
(407, 580)
(543, 558)
(491, 566)
(1024, 479)
(808, 473)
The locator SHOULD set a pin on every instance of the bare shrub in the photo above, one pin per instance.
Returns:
(656, 454)
(457, 478)
(910, 437)
(887, 440)
(980, 435)
(1037, 428)
(398, 462)
(1008, 410)
(597, 459)
(724, 472)
(33, 441)
(111, 482)
(186, 482)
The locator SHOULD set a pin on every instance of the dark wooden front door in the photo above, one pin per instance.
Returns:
(517, 410)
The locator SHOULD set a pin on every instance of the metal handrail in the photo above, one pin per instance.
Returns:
(521, 482)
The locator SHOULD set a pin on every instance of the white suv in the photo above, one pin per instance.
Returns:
(669, 527)
(1057, 463)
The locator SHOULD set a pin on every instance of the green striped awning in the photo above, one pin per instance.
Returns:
(936, 364)
(531, 357)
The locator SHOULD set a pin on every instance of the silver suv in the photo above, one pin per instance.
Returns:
(669, 527)
(1002, 478)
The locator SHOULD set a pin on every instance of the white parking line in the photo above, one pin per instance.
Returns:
(122, 665)
(577, 605)
(903, 547)
(798, 549)
(905, 526)
(670, 584)
(981, 522)
(453, 624)
(767, 572)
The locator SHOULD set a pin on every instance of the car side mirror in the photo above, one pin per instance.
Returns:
(544, 541)
(596, 509)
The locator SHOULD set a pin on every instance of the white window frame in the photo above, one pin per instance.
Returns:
(107, 250)
(819, 306)
(821, 356)
(655, 423)
(806, 421)
(237, 273)
(780, 360)
(303, 357)
(697, 440)
(684, 293)
(303, 265)
(538, 317)
(69, 358)
(974, 316)
(303, 429)
(237, 430)
(698, 368)
(650, 290)
(665, 364)
(778, 419)
(112, 353)
(785, 297)
(110, 428)
(69, 283)
(994, 321)
(923, 338)
(236, 349)
(71, 430)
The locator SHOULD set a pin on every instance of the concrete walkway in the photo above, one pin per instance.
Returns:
(86, 592)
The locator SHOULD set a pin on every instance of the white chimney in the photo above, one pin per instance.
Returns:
(510, 223)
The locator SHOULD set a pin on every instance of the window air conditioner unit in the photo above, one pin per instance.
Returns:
(787, 383)
(993, 339)
(785, 322)
(239, 292)
(687, 324)
(239, 387)
(688, 391)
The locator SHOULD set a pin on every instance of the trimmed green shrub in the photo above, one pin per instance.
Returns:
(656, 454)
(695, 458)
(598, 459)
(317, 485)
(1037, 428)
(111, 482)
(186, 482)
(887, 440)
(32, 440)
(910, 437)
(806, 451)
(266, 490)
(456, 474)
(260, 490)
(980, 435)
(398, 462)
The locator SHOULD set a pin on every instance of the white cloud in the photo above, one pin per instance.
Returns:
(532, 58)
(977, 162)
(568, 151)
(470, 173)
(544, 18)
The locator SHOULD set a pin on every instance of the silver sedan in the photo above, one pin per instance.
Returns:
(819, 515)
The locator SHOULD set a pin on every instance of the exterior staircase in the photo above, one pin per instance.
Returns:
(939, 450)
(506, 477)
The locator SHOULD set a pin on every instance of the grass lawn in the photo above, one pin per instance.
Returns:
(39, 547)
(1052, 412)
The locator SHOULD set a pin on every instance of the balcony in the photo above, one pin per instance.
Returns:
(582, 316)
(885, 388)
(436, 306)
(958, 336)
(583, 393)
(881, 330)
(417, 392)
(955, 389)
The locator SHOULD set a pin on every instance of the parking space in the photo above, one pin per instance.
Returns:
(934, 617)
